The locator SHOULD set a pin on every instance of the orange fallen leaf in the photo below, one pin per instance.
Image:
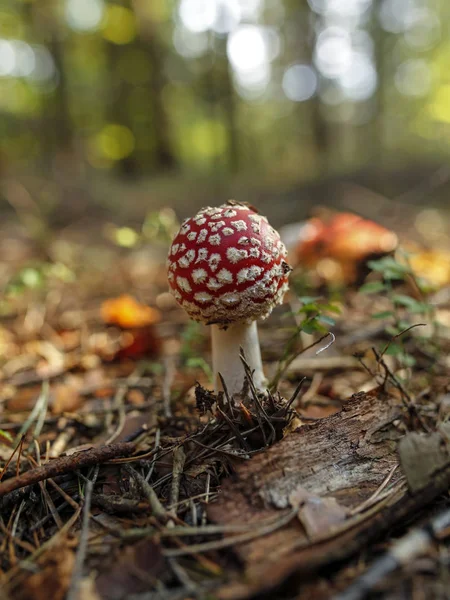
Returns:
(431, 265)
(127, 312)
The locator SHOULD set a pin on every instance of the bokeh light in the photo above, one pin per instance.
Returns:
(424, 31)
(333, 52)
(359, 80)
(198, 15)
(396, 16)
(119, 25)
(299, 82)
(84, 15)
(114, 142)
(7, 58)
(413, 77)
(190, 44)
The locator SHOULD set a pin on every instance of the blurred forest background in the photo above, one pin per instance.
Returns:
(193, 100)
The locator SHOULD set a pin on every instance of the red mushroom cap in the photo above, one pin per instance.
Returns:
(227, 265)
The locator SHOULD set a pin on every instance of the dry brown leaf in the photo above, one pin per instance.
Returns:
(134, 570)
(423, 455)
(318, 515)
(315, 513)
(54, 577)
(65, 398)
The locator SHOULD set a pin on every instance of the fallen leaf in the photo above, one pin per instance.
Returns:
(65, 398)
(55, 574)
(423, 455)
(318, 515)
(127, 312)
(133, 569)
(431, 265)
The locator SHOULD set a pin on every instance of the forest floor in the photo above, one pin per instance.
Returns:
(123, 477)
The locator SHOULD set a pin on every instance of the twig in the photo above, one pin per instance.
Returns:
(182, 576)
(157, 508)
(234, 429)
(375, 496)
(231, 541)
(294, 395)
(259, 406)
(394, 337)
(18, 445)
(118, 404)
(169, 374)
(282, 368)
(179, 458)
(72, 593)
(313, 389)
(156, 448)
(29, 561)
(226, 393)
(207, 491)
(403, 551)
(404, 395)
(39, 408)
(67, 464)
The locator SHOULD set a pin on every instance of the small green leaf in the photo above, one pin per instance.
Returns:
(199, 363)
(313, 326)
(394, 349)
(413, 305)
(407, 360)
(383, 315)
(5, 436)
(308, 299)
(327, 320)
(332, 308)
(372, 287)
(309, 308)
(392, 330)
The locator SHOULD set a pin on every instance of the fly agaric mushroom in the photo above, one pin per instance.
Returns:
(338, 245)
(226, 268)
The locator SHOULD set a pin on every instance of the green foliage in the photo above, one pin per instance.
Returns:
(197, 362)
(158, 227)
(315, 320)
(405, 309)
(192, 339)
(178, 98)
(5, 437)
(38, 276)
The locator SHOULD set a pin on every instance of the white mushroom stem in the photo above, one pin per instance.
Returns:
(226, 344)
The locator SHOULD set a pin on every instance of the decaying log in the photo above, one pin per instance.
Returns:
(340, 461)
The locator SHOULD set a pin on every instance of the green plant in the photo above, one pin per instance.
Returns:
(406, 306)
(315, 319)
(159, 227)
(192, 339)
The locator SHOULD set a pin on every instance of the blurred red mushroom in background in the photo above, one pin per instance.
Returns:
(338, 245)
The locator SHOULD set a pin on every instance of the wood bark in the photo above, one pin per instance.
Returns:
(343, 458)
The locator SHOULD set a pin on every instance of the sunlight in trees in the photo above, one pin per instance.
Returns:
(250, 75)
